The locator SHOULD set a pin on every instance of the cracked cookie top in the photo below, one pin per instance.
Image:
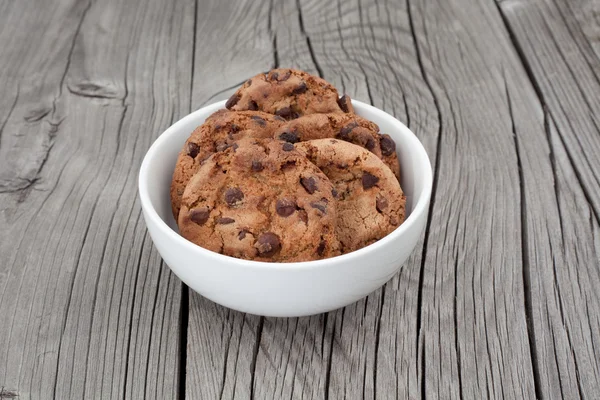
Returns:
(288, 93)
(217, 133)
(261, 200)
(348, 127)
(370, 202)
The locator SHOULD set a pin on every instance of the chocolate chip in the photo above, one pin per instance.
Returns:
(259, 120)
(319, 206)
(268, 244)
(287, 113)
(199, 215)
(388, 146)
(368, 180)
(273, 76)
(343, 103)
(193, 149)
(288, 146)
(249, 82)
(242, 234)
(381, 204)
(253, 106)
(345, 131)
(225, 220)
(301, 88)
(235, 147)
(290, 137)
(278, 118)
(233, 196)
(334, 193)
(234, 128)
(370, 145)
(257, 166)
(310, 184)
(233, 100)
(284, 112)
(285, 207)
(321, 247)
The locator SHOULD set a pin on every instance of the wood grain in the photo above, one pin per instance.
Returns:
(562, 216)
(473, 341)
(88, 308)
(500, 298)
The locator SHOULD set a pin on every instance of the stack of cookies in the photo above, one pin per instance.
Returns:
(287, 173)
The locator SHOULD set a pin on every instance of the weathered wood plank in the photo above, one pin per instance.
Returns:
(542, 245)
(566, 71)
(88, 309)
(221, 351)
(473, 341)
(562, 219)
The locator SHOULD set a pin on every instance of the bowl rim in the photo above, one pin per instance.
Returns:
(421, 206)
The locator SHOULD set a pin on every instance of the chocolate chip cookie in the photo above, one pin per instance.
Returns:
(262, 200)
(348, 127)
(370, 202)
(289, 93)
(218, 132)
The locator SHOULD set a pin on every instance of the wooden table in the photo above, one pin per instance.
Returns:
(499, 300)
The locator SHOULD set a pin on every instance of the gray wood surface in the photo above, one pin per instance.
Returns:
(500, 298)
(88, 309)
(555, 40)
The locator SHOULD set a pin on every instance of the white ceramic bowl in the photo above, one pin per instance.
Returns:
(283, 289)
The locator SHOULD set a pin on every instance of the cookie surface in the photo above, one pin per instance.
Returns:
(290, 94)
(262, 200)
(370, 202)
(218, 132)
(348, 127)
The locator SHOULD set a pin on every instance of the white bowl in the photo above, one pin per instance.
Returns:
(283, 289)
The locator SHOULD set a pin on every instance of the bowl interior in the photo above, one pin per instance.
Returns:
(159, 163)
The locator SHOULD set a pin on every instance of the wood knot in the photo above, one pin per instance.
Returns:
(37, 114)
(8, 394)
(93, 90)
